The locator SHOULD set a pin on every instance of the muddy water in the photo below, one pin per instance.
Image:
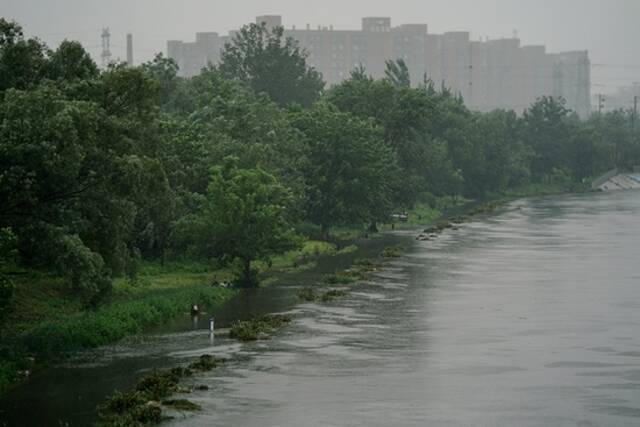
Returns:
(527, 318)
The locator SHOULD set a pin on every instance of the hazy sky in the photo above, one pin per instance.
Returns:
(609, 29)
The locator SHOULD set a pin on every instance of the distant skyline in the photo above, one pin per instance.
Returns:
(607, 28)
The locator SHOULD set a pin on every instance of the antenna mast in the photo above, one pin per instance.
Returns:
(106, 47)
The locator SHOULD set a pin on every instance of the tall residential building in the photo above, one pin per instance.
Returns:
(488, 74)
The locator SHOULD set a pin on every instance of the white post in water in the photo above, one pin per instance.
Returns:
(211, 325)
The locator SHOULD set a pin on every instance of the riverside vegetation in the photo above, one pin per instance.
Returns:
(124, 192)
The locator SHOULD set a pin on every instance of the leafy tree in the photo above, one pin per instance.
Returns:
(397, 73)
(405, 115)
(546, 131)
(90, 279)
(52, 177)
(494, 158)
(173, 93)
(70, 62)
(21, 61)
(231, 120)
(351, 172)
(270, 63)
(243, 218)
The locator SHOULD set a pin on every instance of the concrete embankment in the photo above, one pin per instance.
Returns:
(616, 180)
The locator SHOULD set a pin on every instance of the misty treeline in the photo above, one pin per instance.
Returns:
(101, 169)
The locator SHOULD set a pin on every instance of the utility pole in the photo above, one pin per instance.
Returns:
(601, 99)
(106, 48)
(635, 113)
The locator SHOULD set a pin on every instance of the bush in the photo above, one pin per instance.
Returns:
(85, 269)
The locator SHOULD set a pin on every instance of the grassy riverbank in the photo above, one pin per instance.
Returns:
(46, 321)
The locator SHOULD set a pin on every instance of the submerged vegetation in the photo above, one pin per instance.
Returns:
(392, 252)
(311, 295)
(259, 328)
(144, 404)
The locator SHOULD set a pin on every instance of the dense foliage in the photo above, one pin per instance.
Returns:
(100, 169)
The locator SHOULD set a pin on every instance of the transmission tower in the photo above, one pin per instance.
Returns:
(106, 48)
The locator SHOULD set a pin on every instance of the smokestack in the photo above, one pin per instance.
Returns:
(130, 50)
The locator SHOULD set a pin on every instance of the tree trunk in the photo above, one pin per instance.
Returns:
(247, 280)
(324, 232)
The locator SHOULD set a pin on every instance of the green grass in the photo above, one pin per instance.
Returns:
(117, 320)
(300, 259)
(46, 321)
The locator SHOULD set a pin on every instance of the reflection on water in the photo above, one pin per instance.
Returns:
(529, 317)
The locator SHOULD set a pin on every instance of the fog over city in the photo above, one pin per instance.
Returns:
(607, 29)
(336, 213)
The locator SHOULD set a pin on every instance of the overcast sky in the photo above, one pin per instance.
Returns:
(609, 29)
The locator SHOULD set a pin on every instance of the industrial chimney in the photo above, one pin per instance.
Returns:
(130, 50)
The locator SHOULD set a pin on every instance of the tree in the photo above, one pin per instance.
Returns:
(243, 218)
(52, 186)
(397, 73)
(272, 64)
(229, 119)
(21, 61)
(547, 131)
(404, 115)
(351, 173)
(173, 94)
(70, 62)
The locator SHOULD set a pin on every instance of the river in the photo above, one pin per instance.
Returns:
(529, 317)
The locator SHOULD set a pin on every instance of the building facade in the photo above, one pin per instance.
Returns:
(488, 74)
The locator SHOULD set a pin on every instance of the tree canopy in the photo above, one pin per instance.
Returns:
(102, 169)
(270, 63)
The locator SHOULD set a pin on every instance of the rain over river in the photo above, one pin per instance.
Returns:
(529, 317)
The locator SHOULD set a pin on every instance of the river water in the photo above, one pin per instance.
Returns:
(530, 317)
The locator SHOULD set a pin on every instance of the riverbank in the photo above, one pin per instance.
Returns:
(323, 290)
(47, 322)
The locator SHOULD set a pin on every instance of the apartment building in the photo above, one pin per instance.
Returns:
(488, 74)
